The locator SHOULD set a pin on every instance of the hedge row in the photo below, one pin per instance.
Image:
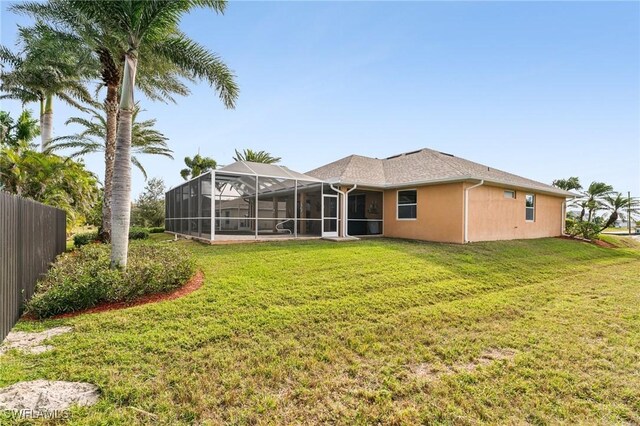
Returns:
(135, 233)
(82, 279)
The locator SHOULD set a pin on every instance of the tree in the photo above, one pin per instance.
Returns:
(599, 196)
(592, 199)
(112, 32)
(571, 184)
(22, 132)
(47, 66)
(49, 179)
(256, 156)
(6, 124)
(197, 166)
(145, 139)
(151, 24)
(618, 205)
(148, 210)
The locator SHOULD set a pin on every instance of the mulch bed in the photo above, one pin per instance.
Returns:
(604, 244)
(596, 242)
(192, 285)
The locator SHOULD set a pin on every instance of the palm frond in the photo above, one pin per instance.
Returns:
(136, 163)
(85, 145)
(202, 64)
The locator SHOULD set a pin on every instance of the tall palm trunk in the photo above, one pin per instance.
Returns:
(111, 106)
(46, 122)
(121, 197)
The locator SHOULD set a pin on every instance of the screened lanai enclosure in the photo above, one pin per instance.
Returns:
(248, 200)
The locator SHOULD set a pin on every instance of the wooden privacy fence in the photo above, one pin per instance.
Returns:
(31, 236)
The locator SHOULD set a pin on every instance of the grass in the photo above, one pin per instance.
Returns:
(319, 332)
(620, 241)
(620, 230)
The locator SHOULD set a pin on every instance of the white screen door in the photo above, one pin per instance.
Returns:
(330, 216)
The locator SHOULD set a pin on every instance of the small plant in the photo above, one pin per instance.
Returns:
(138, 233)
(156, 230)
(83, 279)
(84, 238)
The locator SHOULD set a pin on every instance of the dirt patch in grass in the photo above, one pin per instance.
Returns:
(43, 396)
(428, 371)
(487, 357)
(192, 285)
(604, 244)
(432, 372)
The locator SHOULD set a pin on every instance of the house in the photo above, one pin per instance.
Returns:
(425, 195)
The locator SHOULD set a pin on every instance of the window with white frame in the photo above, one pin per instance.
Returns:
(530, 207)
(407, 204)
(509, 193)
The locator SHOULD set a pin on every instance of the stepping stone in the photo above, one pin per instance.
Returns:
(41, 396)
(31, 342)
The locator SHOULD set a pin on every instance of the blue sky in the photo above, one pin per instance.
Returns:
(540, 89)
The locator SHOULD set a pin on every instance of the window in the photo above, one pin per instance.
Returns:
(530, 207)
(509, 194)
(407, 204)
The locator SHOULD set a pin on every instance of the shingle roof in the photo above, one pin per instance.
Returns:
(268, 170)
(420, 167)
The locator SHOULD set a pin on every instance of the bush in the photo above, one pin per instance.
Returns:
(84, 238)
(584, 229)
(138, 233)
(156, 230)
(89, 237)
(83, 279)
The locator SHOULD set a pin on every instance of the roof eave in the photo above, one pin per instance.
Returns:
(548, 191)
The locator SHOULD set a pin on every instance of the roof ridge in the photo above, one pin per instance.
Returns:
(450, 160)
(346, 167)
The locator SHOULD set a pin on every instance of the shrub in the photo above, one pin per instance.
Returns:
(156, 230)
(84, 238)
(138, 233)
(83, 279)
(588, 230)
(89, 237)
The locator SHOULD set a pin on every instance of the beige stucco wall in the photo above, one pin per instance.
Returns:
(439, 214)
(494, 217)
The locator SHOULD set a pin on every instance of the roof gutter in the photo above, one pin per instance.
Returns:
(466, 209)
(510, 185)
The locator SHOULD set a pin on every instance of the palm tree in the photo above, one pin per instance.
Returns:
(158, 78)
(48, 66)
(256, 156)
(145, 139)
(26, 128)
(197, 166)
(49, 179)
(21, 132)
(149, 27)
(573, 183)
(617, 204)
(592, 199)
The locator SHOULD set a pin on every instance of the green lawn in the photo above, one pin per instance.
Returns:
(620, 230)
(374, 331)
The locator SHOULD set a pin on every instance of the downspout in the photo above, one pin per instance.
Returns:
(344, 207)
(466, 209)
(564, 216)
(346, 210)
